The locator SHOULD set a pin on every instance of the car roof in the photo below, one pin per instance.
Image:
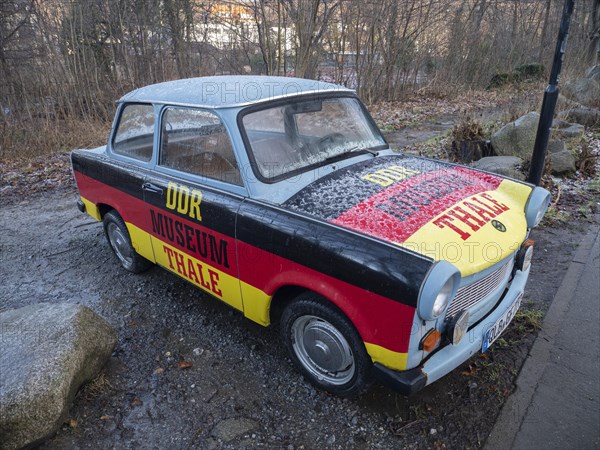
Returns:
(227, 91)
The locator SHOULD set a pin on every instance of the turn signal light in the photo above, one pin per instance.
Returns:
(524, 256)
(430, 341)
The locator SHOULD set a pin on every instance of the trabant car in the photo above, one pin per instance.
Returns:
(280, 197)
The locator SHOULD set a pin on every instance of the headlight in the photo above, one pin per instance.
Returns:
(441, 301)
(536, 206)
(439, 287)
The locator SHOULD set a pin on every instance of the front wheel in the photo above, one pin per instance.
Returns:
(120, 242)
(325, 346)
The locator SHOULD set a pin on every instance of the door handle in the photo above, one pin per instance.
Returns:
(152, 188)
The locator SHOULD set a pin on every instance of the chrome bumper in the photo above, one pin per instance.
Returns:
(451, 356)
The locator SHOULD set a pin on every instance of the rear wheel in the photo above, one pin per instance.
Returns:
(120, 242)
(325, 346)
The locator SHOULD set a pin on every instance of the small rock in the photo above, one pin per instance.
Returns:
(563, 162)
(229, 429)
(502, 165)
(331, 439)
(433, 431)
(198, 351)
(184, 364)
(562, 129)
(556, 147)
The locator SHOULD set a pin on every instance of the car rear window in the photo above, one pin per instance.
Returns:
(135, 132)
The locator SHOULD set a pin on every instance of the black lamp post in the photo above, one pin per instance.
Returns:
(550, 97)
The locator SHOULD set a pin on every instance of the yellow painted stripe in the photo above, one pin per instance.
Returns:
(256, 304)
(91, 209)
(223, 285)
(141, 242)
(486, 246)
(389, 358)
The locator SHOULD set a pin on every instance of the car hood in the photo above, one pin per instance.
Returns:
(469, 218)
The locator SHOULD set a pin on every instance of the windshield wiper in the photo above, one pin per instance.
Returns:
(352, 151)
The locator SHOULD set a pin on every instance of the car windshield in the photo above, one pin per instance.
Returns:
(287, 139)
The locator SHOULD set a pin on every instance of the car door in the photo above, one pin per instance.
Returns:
(123, 175)
(193, 196)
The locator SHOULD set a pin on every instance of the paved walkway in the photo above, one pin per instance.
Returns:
(556, 404)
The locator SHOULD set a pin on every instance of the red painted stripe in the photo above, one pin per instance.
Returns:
(379, 320)
(367, 218)
(137, 212)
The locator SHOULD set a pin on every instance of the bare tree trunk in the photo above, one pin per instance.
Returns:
(311, 19)
(543, 49)
(179, 20)
(264, 40)
(594, 45)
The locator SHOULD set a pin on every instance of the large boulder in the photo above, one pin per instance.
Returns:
(588, 117)
(593, 73)
(517, 138)
(502, 165)
(48, 352)
(584, 91)
(562, 161)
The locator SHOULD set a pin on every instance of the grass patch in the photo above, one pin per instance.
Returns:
(555, 217)
(586, 210)
(528, 320)
(386, 127)
(97, 386)
(418, 411)
(502, 343)
(492, 371)
(36, 137)
(594, 185)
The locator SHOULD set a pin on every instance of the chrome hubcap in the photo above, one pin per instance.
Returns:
(120, 244)
(323, 350)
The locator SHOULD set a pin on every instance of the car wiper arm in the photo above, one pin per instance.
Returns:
(353, 150)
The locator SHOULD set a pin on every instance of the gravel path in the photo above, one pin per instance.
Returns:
(189, 372)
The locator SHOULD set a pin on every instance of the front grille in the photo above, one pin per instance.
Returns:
(470, 295)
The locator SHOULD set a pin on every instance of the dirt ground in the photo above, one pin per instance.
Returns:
(240, 389)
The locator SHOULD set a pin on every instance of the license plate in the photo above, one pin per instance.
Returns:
(496, 329)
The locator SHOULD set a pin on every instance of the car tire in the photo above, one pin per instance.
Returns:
(120, 243)
(325, 346)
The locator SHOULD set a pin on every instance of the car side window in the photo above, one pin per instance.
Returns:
(195, 141)
(135, 132)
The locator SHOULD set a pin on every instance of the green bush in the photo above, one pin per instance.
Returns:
(529, 71)
(532, 71)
